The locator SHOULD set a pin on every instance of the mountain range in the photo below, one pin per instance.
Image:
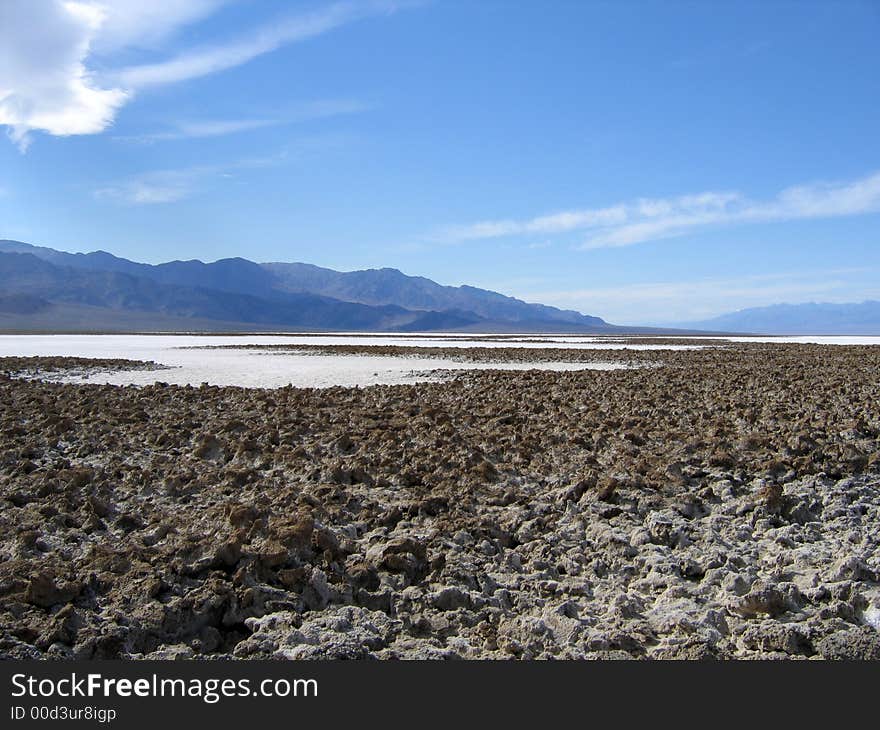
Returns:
(813, 318)
(43, 289)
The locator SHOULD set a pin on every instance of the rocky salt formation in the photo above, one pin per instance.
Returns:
(632, 583)
(497, 354)
(53, 368)
(725, 504)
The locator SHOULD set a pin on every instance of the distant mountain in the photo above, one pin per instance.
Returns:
(800, 319)
(41, 288)
(232, 275)
(25, 278)
(374, 287)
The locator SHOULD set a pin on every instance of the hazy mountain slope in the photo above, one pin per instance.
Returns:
(801, 319)
(67, 317)
(18, 304)
(390, 286)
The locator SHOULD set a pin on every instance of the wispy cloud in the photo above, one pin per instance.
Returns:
(172, 185)
(203, 128)
(212, 59)
(192, 129)
(161, 186)
(692, 300)
(139, 24)
(626, 224)
(555, 223)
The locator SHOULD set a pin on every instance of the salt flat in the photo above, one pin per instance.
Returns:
(191, 361)
(812, 340)
(189, 364)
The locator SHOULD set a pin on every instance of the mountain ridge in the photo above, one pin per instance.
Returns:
(24, 274)
(236, 291)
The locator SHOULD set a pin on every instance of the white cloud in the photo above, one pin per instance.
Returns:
(48, 80)
(644, 220)
(44, 83)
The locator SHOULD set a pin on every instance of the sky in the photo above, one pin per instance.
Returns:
(645, 162)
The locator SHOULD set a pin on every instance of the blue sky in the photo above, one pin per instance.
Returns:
(641, 161)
